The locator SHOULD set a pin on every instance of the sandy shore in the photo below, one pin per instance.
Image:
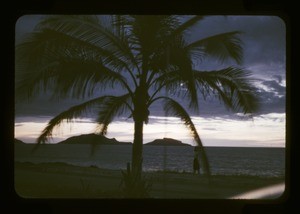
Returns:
(58, 180)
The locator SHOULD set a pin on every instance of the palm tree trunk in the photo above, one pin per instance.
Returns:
(137, 148)
(140, 115)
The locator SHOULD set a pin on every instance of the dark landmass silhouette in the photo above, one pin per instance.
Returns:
(166, 142)
(92, 139)
(19, 142)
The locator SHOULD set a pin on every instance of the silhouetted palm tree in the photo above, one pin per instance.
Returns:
(77, 56)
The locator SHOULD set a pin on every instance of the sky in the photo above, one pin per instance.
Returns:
(264, 45)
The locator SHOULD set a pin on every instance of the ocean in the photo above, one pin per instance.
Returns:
(253, 161)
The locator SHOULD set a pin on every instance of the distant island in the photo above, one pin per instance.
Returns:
(166, 142)
(19, 142)
(92, 139)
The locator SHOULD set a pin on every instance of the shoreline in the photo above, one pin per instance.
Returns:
(61, 180)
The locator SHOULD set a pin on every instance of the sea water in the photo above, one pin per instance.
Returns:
(265, 162)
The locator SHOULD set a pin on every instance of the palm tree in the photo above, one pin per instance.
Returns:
(147, 56)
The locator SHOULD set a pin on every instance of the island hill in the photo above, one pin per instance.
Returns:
(92, 139)
(19, 142)
(102, 140)
(166, 142)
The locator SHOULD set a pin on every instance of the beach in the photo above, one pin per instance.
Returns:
(61, 180)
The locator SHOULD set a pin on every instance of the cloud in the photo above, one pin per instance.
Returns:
(272, 95)
(210, 129)
(278, 78)
(275, 86)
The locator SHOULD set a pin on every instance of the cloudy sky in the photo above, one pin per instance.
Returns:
(264, 42)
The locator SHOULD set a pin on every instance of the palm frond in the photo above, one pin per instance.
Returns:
(70, 78)
(68, 115)
(78, 31)
(223, 47)
(233, 87)
(86, 29)
(174, 84)
(51, 20)
(71, 71)
(81, 77)
(89, 32)
(174, 67)
(173, 108)
(112, 106)
(173, 30)
(185, 26)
